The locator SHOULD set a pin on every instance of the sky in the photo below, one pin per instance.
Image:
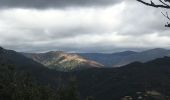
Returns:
(81, 26)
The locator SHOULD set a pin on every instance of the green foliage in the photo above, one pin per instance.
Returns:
(15, 85)
(89, 98)
(68, 93)
(65, 66)
(18, 86)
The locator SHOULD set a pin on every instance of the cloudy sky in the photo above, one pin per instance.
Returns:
(81, 26)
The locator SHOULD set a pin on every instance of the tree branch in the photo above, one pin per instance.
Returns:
(156, 5)
(167, 16)
(164, 3)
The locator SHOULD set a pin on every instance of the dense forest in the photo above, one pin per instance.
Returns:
(17, 85)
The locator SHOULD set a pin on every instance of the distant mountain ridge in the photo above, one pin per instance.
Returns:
(62, 61)
(144, 56)
(107, 59)
(123, 58)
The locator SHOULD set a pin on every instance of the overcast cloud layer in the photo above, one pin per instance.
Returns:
(84, 26)
(42, 4)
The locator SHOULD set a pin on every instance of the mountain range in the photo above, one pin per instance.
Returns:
(102, 83)
(123, 58)
(107, 59)
(63, 61)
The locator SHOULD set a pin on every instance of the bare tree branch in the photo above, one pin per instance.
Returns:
(167, 0)
(167, 25)
(156, 5)
(163, 4)
(167, 16)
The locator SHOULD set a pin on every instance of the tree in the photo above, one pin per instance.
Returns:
(69, 92)
(18, 85)
(160, 4)
(89, 98)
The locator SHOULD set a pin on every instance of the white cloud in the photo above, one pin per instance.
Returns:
(125, 25)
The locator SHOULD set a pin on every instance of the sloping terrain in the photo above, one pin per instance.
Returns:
(143, 56)
(63, 61)
(127, 57)
(102, 83)
(21, 63)
(115, 83)
(107, 59)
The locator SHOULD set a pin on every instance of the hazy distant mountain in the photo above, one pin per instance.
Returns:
(107, 59)
(143, 56)
(63, 61)
(123, 58)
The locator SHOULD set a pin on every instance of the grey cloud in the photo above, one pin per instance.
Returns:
(54, 3)
(141, 19)
(84, 30)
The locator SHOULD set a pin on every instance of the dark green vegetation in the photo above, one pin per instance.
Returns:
(62, 61)
(16, 85)
(112, 84)
(146, 95)
(93, 83)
